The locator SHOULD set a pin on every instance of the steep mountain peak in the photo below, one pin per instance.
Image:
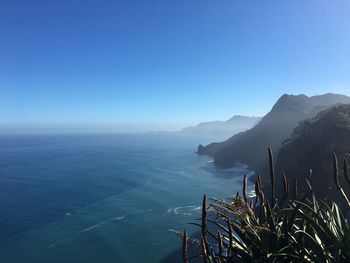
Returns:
(309, 106)
(288, 102)
(250, 146)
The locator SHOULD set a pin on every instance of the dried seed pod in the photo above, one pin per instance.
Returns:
(336, 171)
(285, 187)
(257, 187)
(245, 183)
(272, 176)
(204, 216)
(204, 222)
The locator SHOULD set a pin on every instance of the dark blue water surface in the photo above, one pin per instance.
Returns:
(101, 198)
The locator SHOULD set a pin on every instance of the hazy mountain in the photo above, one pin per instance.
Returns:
(250, 147)
(222, 129)
(311, 147)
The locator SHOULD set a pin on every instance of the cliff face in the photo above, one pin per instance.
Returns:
(311, 147)
(250, 147)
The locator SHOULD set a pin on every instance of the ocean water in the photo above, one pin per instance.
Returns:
(102, 198)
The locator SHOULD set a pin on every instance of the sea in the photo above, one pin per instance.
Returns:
(103, 198)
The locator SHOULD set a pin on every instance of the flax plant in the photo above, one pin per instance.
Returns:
(300, 228)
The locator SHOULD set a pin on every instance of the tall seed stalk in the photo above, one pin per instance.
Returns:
(285, 189)
(245, 183)
(204, 223)
(272, 176)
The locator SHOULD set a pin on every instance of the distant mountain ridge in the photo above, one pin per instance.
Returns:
(222, 129)
(250, 146)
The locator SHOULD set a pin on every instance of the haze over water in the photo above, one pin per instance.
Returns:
(91, 67)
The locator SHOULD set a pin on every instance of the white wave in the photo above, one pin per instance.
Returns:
(239, 167)
(104, 222)
(251, 194)
(184, 210)
(196, 208)
(176, 209)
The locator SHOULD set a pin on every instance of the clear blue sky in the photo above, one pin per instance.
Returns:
(165, 64)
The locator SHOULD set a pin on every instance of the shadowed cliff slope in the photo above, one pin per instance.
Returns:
(311, 147)
(250, 146)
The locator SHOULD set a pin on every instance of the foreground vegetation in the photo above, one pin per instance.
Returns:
(296, 227)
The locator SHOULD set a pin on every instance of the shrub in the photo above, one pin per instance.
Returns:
(294, 228)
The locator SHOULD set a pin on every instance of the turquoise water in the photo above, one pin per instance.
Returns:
(101, 198)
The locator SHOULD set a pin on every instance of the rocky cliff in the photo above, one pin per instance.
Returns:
(250, 146)
(311, 147)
